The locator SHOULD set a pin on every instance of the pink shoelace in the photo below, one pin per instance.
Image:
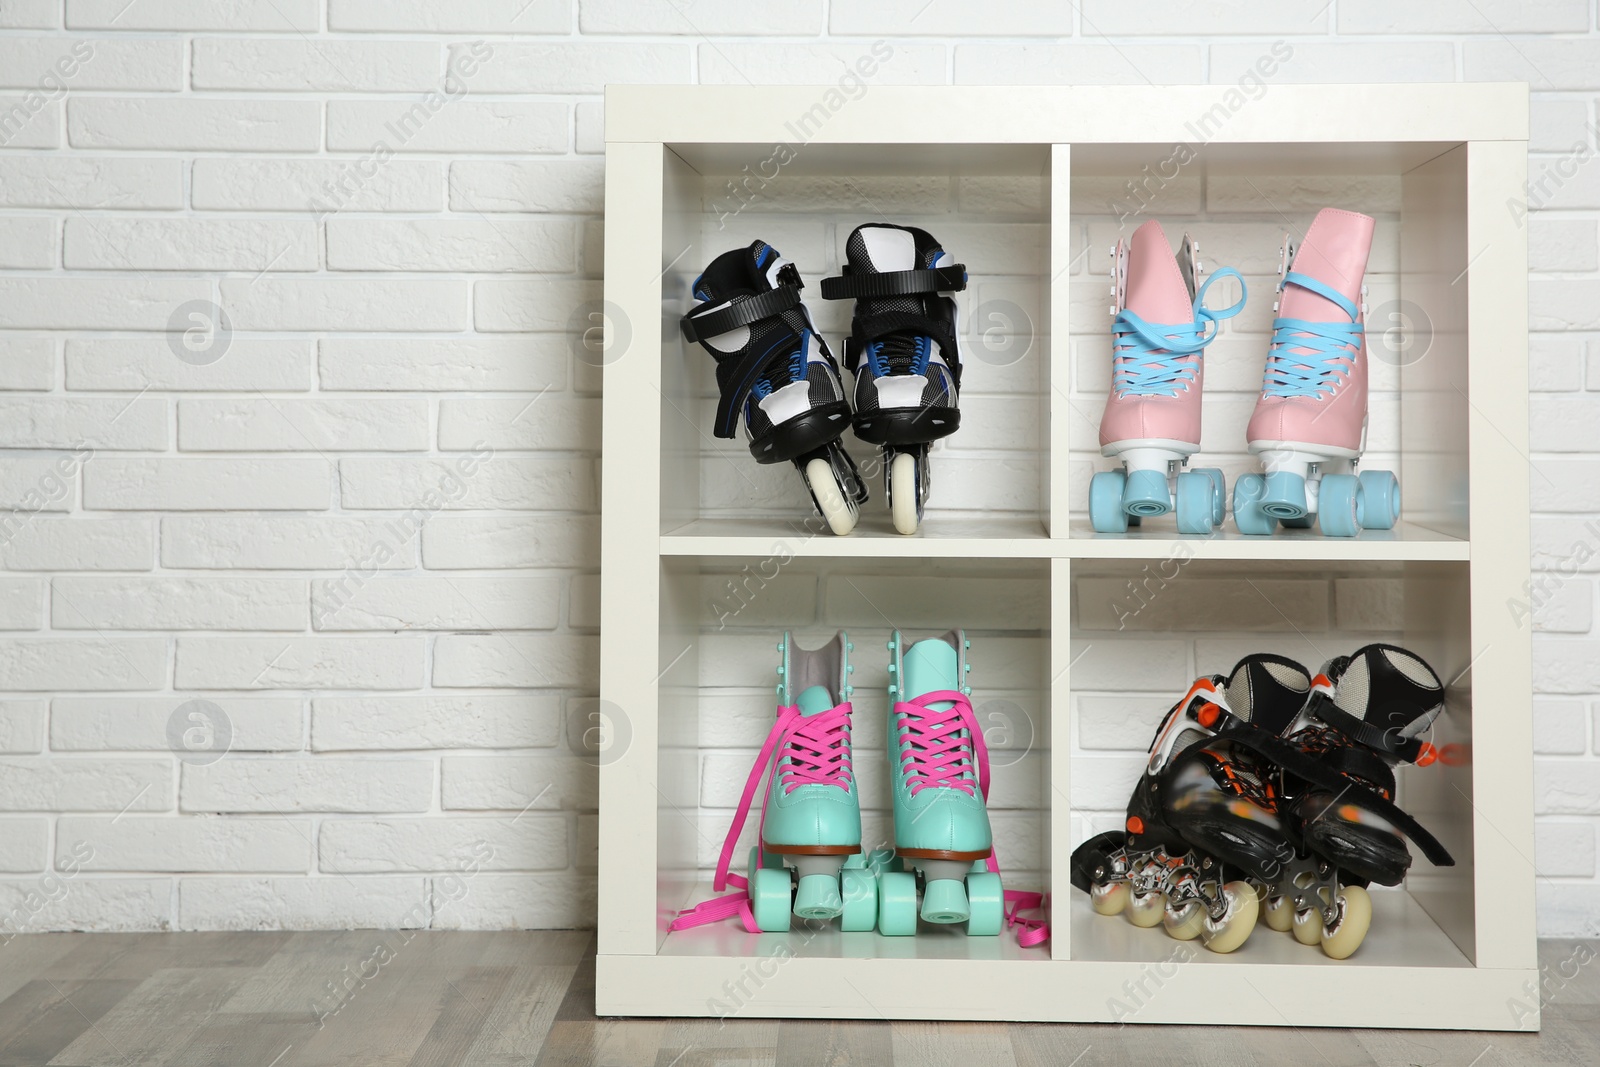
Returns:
(812, 746)
(813, 753)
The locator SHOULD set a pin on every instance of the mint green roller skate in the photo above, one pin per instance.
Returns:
(939, 771)
(807, 861)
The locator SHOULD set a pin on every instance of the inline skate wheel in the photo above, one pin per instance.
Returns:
(1219, 493)
(1307, 926)
(1378, 503)
(1230, 931)
(1105, 503)
(1285, 495)
(1338, 505)
(1146, 494)
(837, 507)
(1195, 493)
(1184, 924)
(769, 899)
(905, 493)
(1350, 928)
(1108, 898)
(860, 891)
(986, 904)
(1146, 909)
(1247, 512)
(897, 904)
(1278, 914)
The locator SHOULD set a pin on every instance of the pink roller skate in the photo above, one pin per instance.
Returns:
(1310, 425)
(1152, 417)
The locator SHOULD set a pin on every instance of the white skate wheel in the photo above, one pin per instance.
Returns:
(838, 509)
(1230, 931)
(1146, 909)
(1350, 929)
(903, 493)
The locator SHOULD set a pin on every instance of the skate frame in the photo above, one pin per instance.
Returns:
(1080, 641)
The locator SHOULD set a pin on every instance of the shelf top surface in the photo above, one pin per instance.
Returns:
(1017, 538)
(905, 114)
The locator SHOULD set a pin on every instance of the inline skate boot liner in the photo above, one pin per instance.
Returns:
(775, 370)
(814, 811)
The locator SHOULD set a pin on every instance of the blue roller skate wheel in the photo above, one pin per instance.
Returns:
(860, 891)
(1105, 503)
(1146, 494)
(1285, 495)
(1336, 505)
(1247, 513)
(1195, 490)
(1219, 498)
(1378, 503)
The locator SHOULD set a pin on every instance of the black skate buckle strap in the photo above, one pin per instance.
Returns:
(741, 311)
(1410, 749)
(952, 279)
(1320, 774)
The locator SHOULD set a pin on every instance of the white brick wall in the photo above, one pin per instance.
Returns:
(234, 526)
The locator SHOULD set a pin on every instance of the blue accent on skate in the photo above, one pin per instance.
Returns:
(797, 358)
(767, 252)
(746, 385)
(1149, 355)
(1308, 358)
(922, 354)
(1146, 494)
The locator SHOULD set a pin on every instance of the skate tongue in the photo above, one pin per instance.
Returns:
(1156, 290)
(1267, 690)
(1390, 689)
(815, 699)
(739, 272)
(930, 666)
(1334, 252)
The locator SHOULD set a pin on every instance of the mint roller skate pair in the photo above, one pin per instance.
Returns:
(778, 376)
(808, 861)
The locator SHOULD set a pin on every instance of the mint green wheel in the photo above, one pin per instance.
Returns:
(986, 899)
(769, 899)
(860, 891)
(897, 904)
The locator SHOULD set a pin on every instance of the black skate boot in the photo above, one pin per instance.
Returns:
(903, 352)
(775, 371)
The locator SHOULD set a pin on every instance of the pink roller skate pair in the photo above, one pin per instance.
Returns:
(1309, 425)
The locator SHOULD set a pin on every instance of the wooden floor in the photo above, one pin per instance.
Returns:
(371, 998)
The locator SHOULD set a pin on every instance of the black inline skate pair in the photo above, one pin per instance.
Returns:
(779, 374)
(1269, 793)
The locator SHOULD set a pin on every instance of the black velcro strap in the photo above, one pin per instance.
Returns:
(742, 311)
(1406, 748)
(895, 283)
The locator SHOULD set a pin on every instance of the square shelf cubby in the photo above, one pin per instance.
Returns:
(1237, 204)
(721, 620)
(989, 207)
(1143, 631)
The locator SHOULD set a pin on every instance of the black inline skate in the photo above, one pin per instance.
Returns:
(1203, 818)
(775, 370)
(1366, 713)
(903, 352)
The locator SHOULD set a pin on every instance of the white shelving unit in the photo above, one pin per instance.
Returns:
(706, 556)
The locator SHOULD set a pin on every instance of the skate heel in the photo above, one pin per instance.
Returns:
(818, 897)
(944, 900)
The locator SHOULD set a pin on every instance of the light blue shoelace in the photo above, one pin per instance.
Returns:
(1308, 358)
(1150, 356)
